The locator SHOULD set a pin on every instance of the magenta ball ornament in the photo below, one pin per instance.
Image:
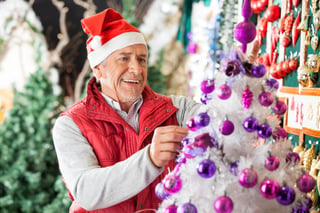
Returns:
(292, 157)
(191, 124)
(250, 124)
(224, 92)
(286, 195)
(279, 108)
(160, 192)
(265, 98)
(202, 119)
(172, 184)
(269, 188)
(264, 131)
(206, 168)
(279, 133)
(223, 204)
(306, 183)
(192, 48)
(258, 70)
(207, 86)
(248, 178)
(271, 163)
(226, 127)
(170, 209)
(187, 208)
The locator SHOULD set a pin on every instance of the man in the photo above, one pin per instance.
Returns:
(116, 144)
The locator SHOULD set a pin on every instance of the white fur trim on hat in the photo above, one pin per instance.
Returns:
(116, 43)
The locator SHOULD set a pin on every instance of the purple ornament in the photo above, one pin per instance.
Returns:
(187, 208)
(224, 92)
(207, 86)
(279, 133)
(250, 124)
(248, 178)
(223, 204)
(264, 131)
(280, 108)
(160, 192)
(293, 157)
(306, 183)
(307, 201)
(266, 98)
(226, 127)
(206, 168)
(234, 168)
(259, 70)
(286, 195)
(272, 163)
(172, 184)
(202, 119)
(170, 209)
(233, 68)
(300, 209)
(269, 188)
(205, 98)
(272, 83)
(245, 32)
(204, 141)
(191, 124)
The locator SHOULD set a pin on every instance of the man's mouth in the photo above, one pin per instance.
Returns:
(131, 81)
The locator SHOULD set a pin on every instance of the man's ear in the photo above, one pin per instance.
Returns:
(97, 71)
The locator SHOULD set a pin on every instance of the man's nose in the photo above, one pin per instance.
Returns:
(135, 66)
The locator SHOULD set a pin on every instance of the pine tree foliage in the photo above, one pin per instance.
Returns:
(28, 166)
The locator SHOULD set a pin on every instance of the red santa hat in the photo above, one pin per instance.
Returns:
(109, 32)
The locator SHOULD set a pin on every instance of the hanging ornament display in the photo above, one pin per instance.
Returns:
(250, 124)
(304, 77)
(314, 40)
(272, 13)
(309, 155)
(226, 127)
(313, 62)
(265, 98)
(279, 108)
(202, 120)
(246, 98)
(170, 209)
(264, 131)
(191, 124)
(279, 133)
(187, 207)
(161, 192)
(271, 163)
(306, 183)
(206, 168)
(207, 86)
(292, 158)
(316, 21)
(224, 92)
(172, 184)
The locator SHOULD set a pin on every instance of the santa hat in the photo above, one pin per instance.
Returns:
(109, 32)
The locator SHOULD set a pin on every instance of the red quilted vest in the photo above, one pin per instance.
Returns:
(114, 140)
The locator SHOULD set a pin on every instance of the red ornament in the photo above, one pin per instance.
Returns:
(262, 26)
(296, 3)
(273, 13)
(282, 23)
(286, 67)
(295, 30)
(285, 40)
(273, 72)
(293, 64)
(288, 23)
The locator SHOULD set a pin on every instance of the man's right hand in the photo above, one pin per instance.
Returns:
(166, 142)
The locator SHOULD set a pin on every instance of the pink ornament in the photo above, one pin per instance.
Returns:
(248, 178)
(279, 133)
(280, 108)
(246, 98)
(191, 124)
(306, 183)
(170, 209)
(292, 157)
(224, 92)
(172, 184)
(226, 127)
(265, 98)
(223, 204)
(207, 86)
(269, 188)
(272, 163)
(259, 70)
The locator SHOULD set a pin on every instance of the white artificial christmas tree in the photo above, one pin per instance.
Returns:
(237, 158)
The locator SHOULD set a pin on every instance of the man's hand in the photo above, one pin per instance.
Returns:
(166, 142)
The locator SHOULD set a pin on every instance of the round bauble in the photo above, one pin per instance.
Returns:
(187, 208)
(306, 183)
(269, 188)
(286, 195)
(207, 86)
(248, 178)
(271, 163)
(250, 124)
(223, 204)
(206, 168)
(226, 127)
(172, 184)
(224, 92)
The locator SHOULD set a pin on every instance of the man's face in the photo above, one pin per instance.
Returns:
(123, 74)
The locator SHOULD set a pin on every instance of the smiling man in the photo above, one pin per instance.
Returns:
(119, 142)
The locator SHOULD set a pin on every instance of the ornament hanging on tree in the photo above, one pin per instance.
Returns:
(187, 208)
(250, 124)
(248, 178)
(272, 163)
(226, 127)
(269, 188)
(286, 195)
(223, 204)
(206, 168)
(246, 99)
(224, 92)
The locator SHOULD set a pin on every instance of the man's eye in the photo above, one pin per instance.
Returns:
(124, 58)
(142, 60)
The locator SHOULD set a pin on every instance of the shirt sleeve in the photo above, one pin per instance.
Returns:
(187, 108)
(92, 186)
